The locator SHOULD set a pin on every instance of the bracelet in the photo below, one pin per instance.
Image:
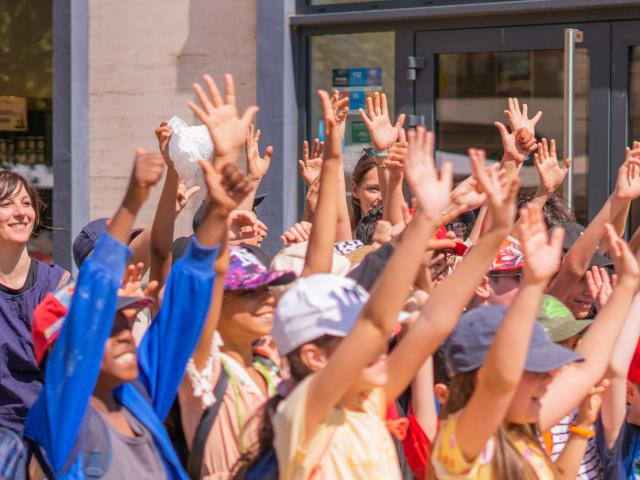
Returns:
(584, 432)
(378, 153)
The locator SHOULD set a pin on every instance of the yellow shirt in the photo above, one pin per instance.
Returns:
(450, 464)
(348, 445)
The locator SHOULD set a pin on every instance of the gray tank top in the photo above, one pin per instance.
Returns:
(133, 457)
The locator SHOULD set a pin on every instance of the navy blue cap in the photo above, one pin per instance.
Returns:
(466, 348)
(86, 240)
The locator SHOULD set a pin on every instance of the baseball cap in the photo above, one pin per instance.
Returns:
(85, 242)
(558, 321)
(49, 315)
(509, 257)
(317, 305)
(634, 369)
(572, 232)
(246, 272)
(466, 348)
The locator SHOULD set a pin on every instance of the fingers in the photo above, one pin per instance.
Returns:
(370, 111)
(204, 100)
(376, 104)
(230, 90)
(504, 133)
(216, 98)
(191, 192)
(402, 133)
(400, 122)
(451, 216)
(268, 153)
(384, 110)
(514, 188)
(537, 117)
(151, 288)
(552, 150)
(249, 114)
(305, 150)
(566, 164)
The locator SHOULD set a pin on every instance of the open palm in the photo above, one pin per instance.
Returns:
(542, 251)
(551, 173)
(311, 162)
(432, 191)
(628, 181)
(376, 118)
(227, 129)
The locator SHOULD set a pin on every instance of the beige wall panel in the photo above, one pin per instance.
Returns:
(143, 57)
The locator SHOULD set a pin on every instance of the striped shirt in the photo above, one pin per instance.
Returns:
(590, 468)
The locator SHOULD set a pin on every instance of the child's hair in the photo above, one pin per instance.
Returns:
(555, 211)
(364, 165)
(10, 182)
(298, 371)
(367, 226)
(507, 460)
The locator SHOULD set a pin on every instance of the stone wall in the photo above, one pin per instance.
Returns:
(143, 58)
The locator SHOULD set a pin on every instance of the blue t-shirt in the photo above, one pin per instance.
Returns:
(20, 377)
(622, 462)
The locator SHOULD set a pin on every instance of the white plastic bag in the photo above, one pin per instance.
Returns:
(188, 145)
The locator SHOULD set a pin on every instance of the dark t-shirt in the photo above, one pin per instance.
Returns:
(20, 377)
(622, 462)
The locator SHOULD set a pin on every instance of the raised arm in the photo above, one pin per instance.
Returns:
(498, 378)
(394, 164)
(257, 166)
(320, 251)
(577, 260)
(614, 400)
(370, 334)
(310, 166)
(73, 365)
(573, 382)
(447, 302)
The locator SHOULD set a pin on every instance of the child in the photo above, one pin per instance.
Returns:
(101, 409)
(502, 393)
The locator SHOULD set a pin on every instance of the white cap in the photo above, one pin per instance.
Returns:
(292, 258)
(321, 304)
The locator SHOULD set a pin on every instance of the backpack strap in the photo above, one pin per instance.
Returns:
(194, 464)
(96, 448)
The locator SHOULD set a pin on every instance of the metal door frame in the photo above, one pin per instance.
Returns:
(597, 38)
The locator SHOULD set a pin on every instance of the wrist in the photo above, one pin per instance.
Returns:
(255, 179)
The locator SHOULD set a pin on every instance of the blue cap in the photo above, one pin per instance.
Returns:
(86, 240)
(466, 348)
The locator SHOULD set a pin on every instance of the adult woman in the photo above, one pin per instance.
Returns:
(366, 193)
(24, 281)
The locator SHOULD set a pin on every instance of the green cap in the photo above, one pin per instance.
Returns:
(558, 321)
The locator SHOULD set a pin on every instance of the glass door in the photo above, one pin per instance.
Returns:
(469, 74)
(625, 93)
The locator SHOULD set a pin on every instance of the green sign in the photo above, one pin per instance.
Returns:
(359, 132)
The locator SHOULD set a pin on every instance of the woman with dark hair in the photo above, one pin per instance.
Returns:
(366, 193)
(24, 281)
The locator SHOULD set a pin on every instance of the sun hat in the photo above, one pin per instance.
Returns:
(510, 256)
(86, 240)
(466, 348)
(572, 232)
(292, 258)
(558, 321)
(247, 272)
(317, 305)
(49, 316)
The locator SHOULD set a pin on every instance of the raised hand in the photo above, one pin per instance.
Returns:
(542, 251)
(518, 119)
(311, 163)
(624, 262)
(468, 192)
(376, 118)
(132, 287)
(501, 201)
(510, 144)
(340, 110)
(551, 173)
(163, 134)
(397, 153)
(244, 225)
(184, 195)
(147, 172)
(628, 181)
(600, 285)
(590, 407)
(432, 191)
(257, 166)
(333, 139)
(227, 188)
(299, 233)
(227, 129)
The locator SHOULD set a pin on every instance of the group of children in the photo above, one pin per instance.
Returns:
(479, 334)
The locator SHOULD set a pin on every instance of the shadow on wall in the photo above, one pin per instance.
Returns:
(219, 34)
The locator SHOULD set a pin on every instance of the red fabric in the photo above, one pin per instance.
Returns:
(460, 248)
(634, 368)
(416, 444)
(43, 324)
